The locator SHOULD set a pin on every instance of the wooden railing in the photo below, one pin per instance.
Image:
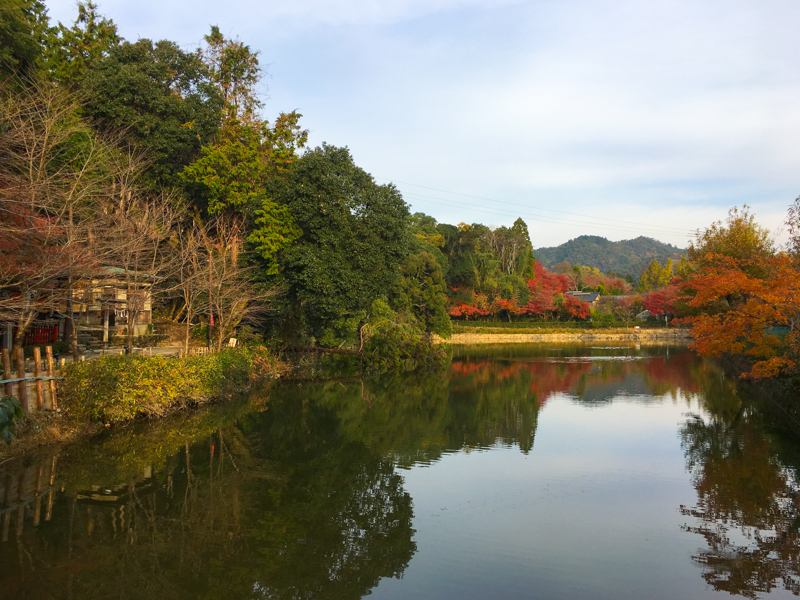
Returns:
(29, 491)
(36, 390)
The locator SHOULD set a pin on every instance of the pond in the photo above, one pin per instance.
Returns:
(522, 472)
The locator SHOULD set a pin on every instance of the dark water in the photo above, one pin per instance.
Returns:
(603, 473)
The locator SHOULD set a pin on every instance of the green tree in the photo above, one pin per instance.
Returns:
(161, 97)
(24, 27)
(524, 260)
(652, 277)
(71, 51)
(739, 236)
(667, 274)
(426, 237)
(236, 72)
(684, 268)
(235, 172)
(353, 239)
(422, 292)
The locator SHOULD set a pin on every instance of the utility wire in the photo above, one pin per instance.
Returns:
(545, 219)
(665, 229)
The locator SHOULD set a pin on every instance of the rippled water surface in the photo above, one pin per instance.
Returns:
(523, 472)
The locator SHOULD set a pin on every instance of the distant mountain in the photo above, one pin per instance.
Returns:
(626, 256)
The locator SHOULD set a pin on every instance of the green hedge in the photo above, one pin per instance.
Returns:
(117, 388)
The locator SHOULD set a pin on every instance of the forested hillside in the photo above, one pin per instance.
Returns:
(623, 257)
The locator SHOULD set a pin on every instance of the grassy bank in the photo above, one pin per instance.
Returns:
(117, 389)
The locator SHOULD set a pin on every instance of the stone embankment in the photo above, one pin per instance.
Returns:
(641, 336)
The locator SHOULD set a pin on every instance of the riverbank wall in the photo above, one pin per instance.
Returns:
(640, 336)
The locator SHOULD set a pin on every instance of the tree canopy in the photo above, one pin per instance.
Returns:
(352, 241)
(161, 99)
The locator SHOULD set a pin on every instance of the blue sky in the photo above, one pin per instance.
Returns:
(618, 118)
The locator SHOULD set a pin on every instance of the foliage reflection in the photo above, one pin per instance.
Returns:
(748, 496)
(299, 493)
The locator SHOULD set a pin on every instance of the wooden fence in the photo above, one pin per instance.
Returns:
(36, 390)
(29, 490)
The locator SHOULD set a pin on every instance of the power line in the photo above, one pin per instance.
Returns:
(556, 220)
(665, 229)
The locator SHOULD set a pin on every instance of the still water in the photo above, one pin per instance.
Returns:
(522, 472)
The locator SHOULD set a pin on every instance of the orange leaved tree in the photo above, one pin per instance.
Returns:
(748, 306)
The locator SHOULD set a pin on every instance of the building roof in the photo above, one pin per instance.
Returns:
(585, 296)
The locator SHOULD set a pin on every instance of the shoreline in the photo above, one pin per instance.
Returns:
(642, 336)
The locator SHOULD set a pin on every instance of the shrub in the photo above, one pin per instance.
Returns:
(10, 411)
(117, 388)
(392, 344)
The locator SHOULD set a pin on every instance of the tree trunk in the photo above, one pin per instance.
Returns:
(131, 321)
(187, 333)
(71, 329)
(20, 333)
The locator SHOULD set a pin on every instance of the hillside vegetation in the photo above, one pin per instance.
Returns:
(623, 257)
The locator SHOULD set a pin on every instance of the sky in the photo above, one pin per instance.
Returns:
(614, 118)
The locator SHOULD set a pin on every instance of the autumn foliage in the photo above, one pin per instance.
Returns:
(546, 299)
(751, 307)
(663, 303)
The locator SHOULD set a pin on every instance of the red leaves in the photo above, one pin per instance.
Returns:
(545, 300)
(742, 301)
(543, 289)
(663, 302)
(545, 280)
(466, 311)
(574, 308)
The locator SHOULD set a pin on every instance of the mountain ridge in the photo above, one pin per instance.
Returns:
(623, 257)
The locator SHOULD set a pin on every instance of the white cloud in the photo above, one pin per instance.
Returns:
(671, 111)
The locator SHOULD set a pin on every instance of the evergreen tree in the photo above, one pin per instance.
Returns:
(353, 239)
(24, 29)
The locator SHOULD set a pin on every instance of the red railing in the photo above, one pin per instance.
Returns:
(42, 335)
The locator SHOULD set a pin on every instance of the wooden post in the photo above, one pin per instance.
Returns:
(105, 325)
(49, 512)
(37, 511)
(20, 519)
(37, 372)
(22, 388)
(51, 373)
(9, 391)
(6, 524)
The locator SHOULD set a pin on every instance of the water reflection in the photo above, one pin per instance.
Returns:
(278, 506)
(299, 492)
(588, 374)
(748, 497)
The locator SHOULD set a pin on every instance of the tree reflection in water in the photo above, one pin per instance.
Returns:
(748, 505)
(298, 495)
(280, 506)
